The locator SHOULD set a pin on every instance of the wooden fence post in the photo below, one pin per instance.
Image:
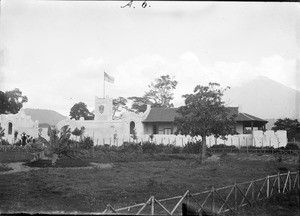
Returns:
(187, 197)
(152, 205)
(278, 183)
(268, 186)
(235, 197)
(290, 181)
(253, 191)
(298, 177)
(213, 199)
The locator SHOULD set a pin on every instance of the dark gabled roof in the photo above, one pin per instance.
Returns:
(244, 117)
(169, 114)
(161, 115)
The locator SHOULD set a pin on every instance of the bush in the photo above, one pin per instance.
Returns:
(223, 146)
(131, 147)
(86, 143)
(192, 147)
(292, 146)
(4, 142)
(149, 147)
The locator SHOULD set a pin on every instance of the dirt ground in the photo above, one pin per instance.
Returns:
(20, 167)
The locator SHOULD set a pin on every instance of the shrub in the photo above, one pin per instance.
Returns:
(223, 146)
(148, 147)
(4, 142)
(131, 147)
(192, 147)
(86, 143)
(292, 146)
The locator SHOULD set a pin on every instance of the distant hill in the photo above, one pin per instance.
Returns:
(265, 98)
(270, 123)
(45, 117)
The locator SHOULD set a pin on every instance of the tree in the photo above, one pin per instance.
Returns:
(139, 104)
(119, 104)
(11, 101)
(59, 144)
(291, 126)
(80, 110)
(2, 133)
(160, 94)
(204, 114)
(78, 132)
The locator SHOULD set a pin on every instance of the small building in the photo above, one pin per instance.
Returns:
(161, 121)
(16, 124)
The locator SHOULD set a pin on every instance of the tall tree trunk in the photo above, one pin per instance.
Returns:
(203, 148)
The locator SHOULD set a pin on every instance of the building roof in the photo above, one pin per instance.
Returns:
(244, 117)
(169, 114)
(161, 115)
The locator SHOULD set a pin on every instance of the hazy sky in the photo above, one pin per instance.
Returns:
(55, 52)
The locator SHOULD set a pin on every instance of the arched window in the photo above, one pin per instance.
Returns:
(132, 126)
(10, 126)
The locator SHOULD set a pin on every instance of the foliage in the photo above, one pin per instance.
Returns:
(131, 147)
(223, 146)
(2, 133)
(149, 147)
(86, 143)
(292, 146)
(139, 104)
(292, 127)
(4, 142)
(119, 104)
(204, 114)
(40, 131)
(11, 101)
(60, 144)
(160, 94)
(192, 148)
(78, 132)
(151, 136)
(80, 110)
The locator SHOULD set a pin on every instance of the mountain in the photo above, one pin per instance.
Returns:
(265, 98)
(44, 116)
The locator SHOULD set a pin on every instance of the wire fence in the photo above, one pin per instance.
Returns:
(216, 201)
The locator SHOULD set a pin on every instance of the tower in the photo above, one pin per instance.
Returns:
(103, 109)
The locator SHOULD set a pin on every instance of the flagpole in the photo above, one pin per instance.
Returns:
(104, 84)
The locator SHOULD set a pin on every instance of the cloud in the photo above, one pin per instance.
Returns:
(90, 67)
(133, 77)
(280, 70)
(83, 81)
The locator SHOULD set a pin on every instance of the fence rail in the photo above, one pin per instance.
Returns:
(217, 200)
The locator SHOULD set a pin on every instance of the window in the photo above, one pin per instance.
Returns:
(132, 127)
(167, 131)
(10, 125)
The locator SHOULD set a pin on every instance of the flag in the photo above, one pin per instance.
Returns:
(108, 78)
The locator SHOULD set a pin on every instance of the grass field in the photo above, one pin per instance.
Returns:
(129, 181)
